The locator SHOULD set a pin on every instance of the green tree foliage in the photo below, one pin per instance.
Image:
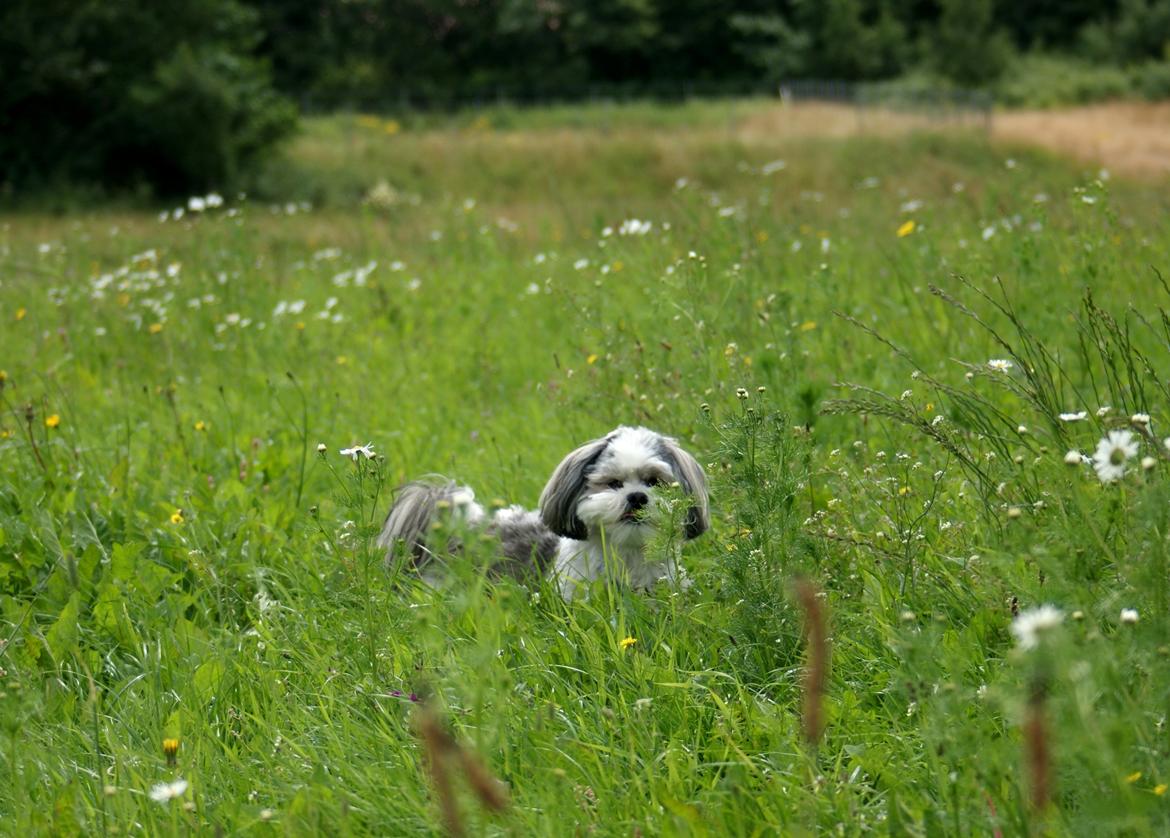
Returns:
(966, 44)
(124, 93)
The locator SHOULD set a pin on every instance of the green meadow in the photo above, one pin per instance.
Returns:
(868, 342)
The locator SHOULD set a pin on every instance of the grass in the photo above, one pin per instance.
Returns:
(177, 560)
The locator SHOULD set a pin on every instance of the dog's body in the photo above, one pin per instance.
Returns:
(596, 515)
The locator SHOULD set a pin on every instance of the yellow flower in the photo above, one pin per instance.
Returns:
(52, 421)
(3, 376)
(201, 425)
(177, 516)
(592, 359)
(808, 326)
(906, 229)
(170, 749)
(627, 642)
(5, 433)
(300, 326)
(392, 127)
(154, 328)
(904, 490)
(761, 237)
(21, 312)
(617, 266)
(1134, 777)
(342, 360)
(1160, 789)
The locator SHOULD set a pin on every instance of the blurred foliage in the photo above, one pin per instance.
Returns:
(186, 95)
(133, 94)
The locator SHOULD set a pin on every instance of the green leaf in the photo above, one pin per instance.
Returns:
(62, 637)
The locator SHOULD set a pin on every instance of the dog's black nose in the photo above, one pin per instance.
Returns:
(637, 500)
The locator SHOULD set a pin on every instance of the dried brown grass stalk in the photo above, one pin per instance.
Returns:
(442, 753)
(817, 665)
(1037, 753)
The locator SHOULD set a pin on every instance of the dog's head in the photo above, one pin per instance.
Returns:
(611, 484)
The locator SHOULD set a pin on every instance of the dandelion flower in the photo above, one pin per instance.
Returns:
(1030, 624)
(1073, 417)
(366, 451)
(1160, 789)
(1000, 364)
(52, 421)
(170, 750)
(1129, 616)
(166, 792)
(627, 642)
(177, 516)
(201, 425)
(906, 229)
(1112, 454)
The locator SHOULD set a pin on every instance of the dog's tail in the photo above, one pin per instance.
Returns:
(416, 511)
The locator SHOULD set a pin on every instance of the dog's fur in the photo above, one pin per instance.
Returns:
(596, 516)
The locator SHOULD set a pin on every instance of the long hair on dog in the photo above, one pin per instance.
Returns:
(598, 512)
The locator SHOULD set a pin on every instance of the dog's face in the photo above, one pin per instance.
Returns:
(610, 485)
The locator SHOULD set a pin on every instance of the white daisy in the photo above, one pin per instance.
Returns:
(1000, 364)
(1148, 463)
(166, 792)
(1073, 417)
(1030, 624)
(1129, 615)
(366, 451)
(1112, 454)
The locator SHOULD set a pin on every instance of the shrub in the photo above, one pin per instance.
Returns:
(125, 93)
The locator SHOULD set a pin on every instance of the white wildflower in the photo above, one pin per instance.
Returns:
(1073, 417)
(1140, 419)
(1030, 624)
(1129, 616)
(1148, 463)
(1074, 458)
(366, 451)
(1112, 454)
(1000, 364)
(166, 792)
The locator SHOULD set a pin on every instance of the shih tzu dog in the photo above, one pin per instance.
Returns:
(598, 513)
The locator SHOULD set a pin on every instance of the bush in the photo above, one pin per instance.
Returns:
(125, 94)
(1038, 81)
(1152, 80)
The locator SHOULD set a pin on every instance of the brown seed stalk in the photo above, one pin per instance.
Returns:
(817, 664)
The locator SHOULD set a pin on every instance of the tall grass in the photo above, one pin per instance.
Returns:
(178, 560)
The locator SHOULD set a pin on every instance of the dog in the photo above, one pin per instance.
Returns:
(597, 514)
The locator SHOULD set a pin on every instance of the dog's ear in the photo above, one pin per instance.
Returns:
(693, 481)
(558, 501)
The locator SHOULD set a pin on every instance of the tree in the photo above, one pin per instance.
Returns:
(129, 92)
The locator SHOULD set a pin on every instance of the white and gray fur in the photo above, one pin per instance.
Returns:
(595, 518)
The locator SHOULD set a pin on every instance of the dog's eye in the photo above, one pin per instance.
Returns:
(615, 484)
(653, 481)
